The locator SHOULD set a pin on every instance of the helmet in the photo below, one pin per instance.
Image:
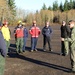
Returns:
(23, 23)
(19, 21)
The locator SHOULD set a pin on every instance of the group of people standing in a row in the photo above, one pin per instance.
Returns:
(67, 38)
(21, 35)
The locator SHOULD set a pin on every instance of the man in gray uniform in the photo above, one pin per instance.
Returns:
(2, 52)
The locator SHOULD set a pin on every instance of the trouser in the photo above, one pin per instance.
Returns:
(2, 65)
(65, 47)
(33, 43)
(7, 45)
(19, 44)
(24, 45)
(72, 53)
(15, 39)
(46, 40)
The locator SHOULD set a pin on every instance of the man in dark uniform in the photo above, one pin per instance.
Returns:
(65, 33)
(46, 31)
(2, 52)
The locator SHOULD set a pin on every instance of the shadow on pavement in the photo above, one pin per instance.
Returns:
(52, 52)
(13, 54)
(13, 49)
(39, 62)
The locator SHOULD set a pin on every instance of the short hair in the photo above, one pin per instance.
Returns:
(63, 21)
(34, 22)
(71, 21)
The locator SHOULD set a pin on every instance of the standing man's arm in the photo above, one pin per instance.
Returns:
(27, 32)
(39, 31)
(72, 39)
(43, 33)
(51, 30)
(2, 45)
(30, 31)
(68, 30)
(61, 31)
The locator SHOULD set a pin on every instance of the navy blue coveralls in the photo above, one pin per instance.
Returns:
(46, 31)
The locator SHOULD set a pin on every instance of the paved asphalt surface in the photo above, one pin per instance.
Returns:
(40, 62)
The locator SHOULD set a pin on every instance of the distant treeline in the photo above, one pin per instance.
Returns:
(55, 14)
(68, 5)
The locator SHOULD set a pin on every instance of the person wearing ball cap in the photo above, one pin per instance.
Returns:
(19, 37)
(19, 24)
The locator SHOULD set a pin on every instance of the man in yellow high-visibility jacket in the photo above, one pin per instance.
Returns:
(6, 34)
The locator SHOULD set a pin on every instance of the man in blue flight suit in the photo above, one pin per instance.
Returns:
(46, 31)
(2, 52)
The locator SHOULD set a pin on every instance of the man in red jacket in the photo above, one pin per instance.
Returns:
(19, 38)
(35, 32)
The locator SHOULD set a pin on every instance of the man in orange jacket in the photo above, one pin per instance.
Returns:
(35, 32)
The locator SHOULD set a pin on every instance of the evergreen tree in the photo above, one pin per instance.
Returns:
(44, 7)
(66, 5)
(12, 6)
(49, 8)
(55, 6)
(73, 4)
(61, 7)
(70, 5)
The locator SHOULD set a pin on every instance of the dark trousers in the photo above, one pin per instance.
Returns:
(46, 40)
(62, 48)
(33, 43)
(24, 45)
